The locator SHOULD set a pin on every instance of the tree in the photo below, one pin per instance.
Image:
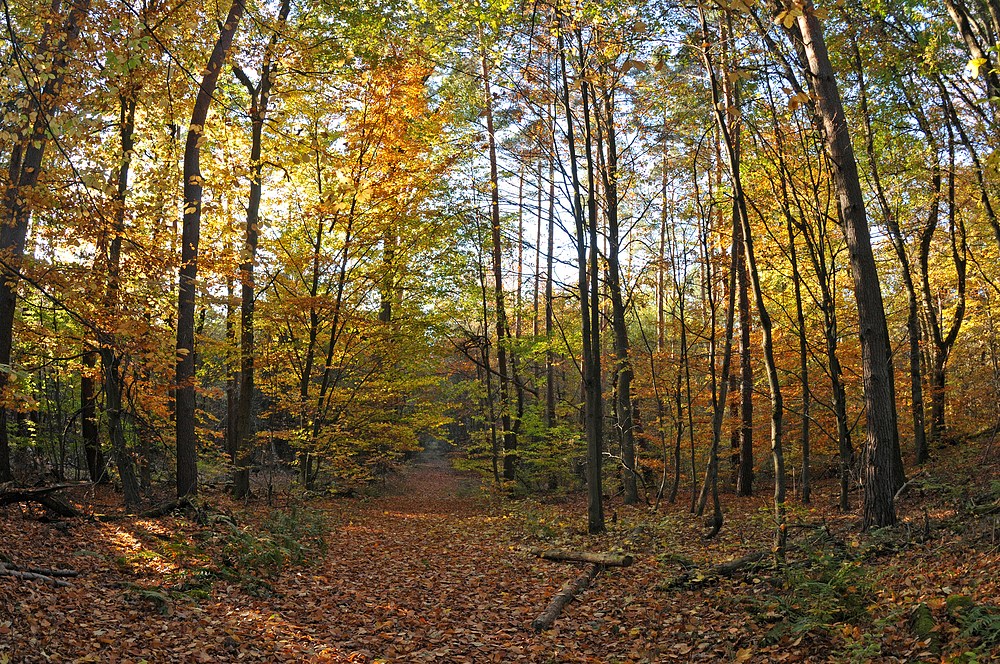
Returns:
(502, 330)
(260, 97)
(24, 169)
(882, 465)
(185, 412)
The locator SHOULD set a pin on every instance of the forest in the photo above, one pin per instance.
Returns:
(566, 330)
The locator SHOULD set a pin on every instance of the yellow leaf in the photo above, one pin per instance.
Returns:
(742, 655)
(788, 16)
(975, 64)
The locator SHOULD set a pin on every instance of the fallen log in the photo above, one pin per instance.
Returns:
(726, 569)
(41, 570)
(602, 559)
(565, 595)
(163, 509)
(43, 496)
(166, 508)
(32, 574)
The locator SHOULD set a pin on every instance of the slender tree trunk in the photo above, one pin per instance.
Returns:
(509, 435)
(305, 378)
(720, 391)
(550, 373)
(260, 96)
(88, 416)
(485, 346)
(232, 372)
(942, 342)
(883, 474)
(899, 246)
(592, 407)
(185, 415)
(519, 288)
(803, 361)
(744, 435)
(683, 377)
(595, 399)
(536, 286)
(111, 356)
(624, 414)
(731, 145)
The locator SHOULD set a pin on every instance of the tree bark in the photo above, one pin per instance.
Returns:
(550, 372)
(731, 145)
(185, 411)
(942, 342)
(509, 435)
(603, 559)
(88, 416)
(899, 246)
(260, 97)
(624, 414)
(592, 366)
(883, 473)
(566, 594)
(592, 407)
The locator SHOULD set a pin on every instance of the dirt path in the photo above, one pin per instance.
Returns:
(427, 573)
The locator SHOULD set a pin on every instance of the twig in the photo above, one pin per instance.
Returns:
(906, 484)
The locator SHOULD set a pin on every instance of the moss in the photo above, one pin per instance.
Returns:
(925, 627)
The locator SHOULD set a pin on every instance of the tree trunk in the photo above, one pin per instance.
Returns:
(260, 96)
(305, 377)
(624, 414)
(185, 413)
(88, 417)
(803, 360)
(566, 594)
(111, 356)
(603, 559)
(883, 473)
(509, 435)
(550, 373)
(744, 434)
(593, 420)
(942, 342)
(592, 381)
(899, 246)
(731, 144)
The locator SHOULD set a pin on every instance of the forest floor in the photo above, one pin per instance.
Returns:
(436, 569)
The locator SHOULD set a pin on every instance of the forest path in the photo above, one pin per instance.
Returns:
(427, 572)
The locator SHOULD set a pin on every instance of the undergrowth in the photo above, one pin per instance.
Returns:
(283, 539)
(250, 556)
(823, 594)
